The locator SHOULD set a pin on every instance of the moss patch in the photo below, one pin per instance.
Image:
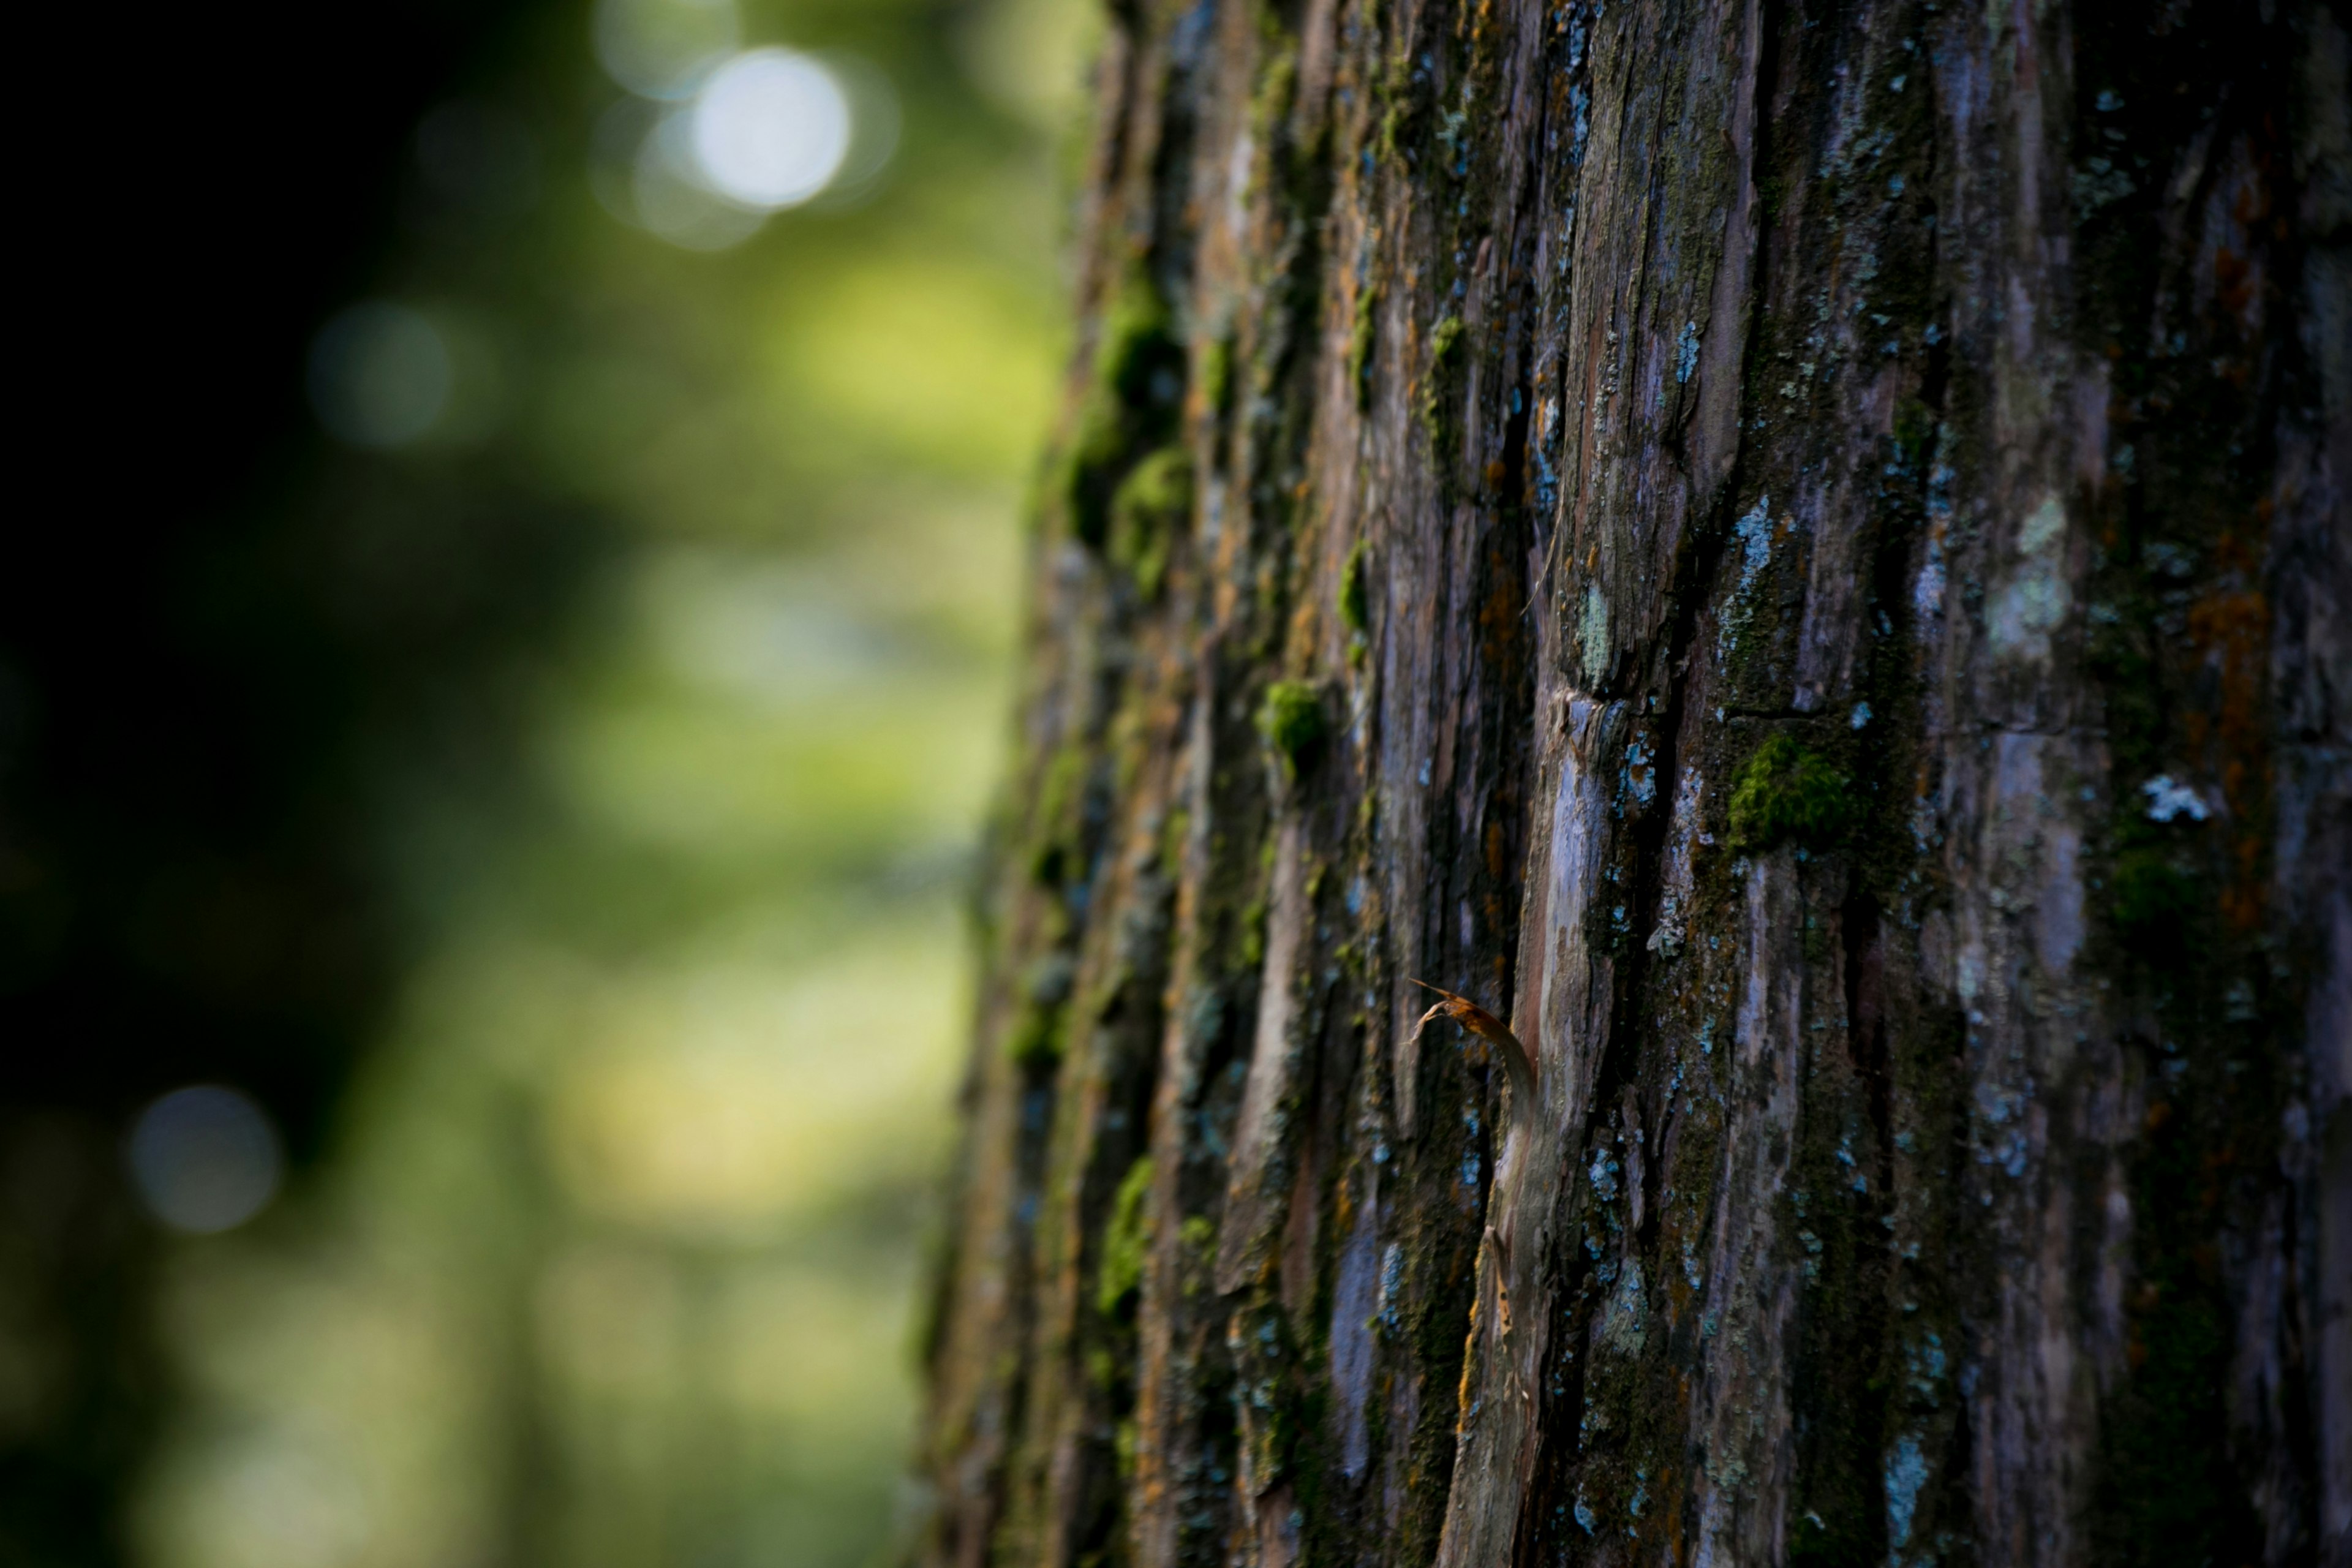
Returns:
(1437, 387)
(1138, 389)
(1139, 359)
(1152, 504)
(1036, 1042)
(1094, 455)
(1124, 1241)
(2153, 899)
(1361, 341)
(1292, 721)
(1788, 793)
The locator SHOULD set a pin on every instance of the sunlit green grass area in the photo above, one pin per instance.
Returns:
(614, 1256)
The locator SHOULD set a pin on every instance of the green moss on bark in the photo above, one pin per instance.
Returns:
(1788, 793)
(1125, 1240)
(1293, 720)
(1437, 387)
(1152, 504)
(1361, 341)
(1131, 405)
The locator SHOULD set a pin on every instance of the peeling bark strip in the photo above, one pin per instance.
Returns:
(1799, 557)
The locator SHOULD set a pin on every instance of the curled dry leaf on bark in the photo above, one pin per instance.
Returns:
(1802, 553)
(1477, 1021)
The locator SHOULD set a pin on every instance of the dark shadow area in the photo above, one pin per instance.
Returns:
(196, 685)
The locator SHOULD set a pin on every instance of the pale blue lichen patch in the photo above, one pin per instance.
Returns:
(1906, 1473)
(1641, 776)
(2167, 800)
(1924, 1365)
(1754, 530)
(1388, 1312)
(1626, 1329)
(2033, 601)
(1592, 633)
(1604, 1176)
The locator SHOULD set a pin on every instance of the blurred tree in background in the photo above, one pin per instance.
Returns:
(507, 683)
(1802, 555)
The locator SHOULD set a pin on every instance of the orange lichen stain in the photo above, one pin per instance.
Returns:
(1462, 1395)
(1480, 23)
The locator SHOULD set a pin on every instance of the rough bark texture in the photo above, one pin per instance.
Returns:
(1799, 554)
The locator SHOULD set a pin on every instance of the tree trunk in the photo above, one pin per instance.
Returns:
(1800, 555)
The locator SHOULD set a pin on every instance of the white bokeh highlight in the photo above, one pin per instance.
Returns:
(669, 196)
(770, 129)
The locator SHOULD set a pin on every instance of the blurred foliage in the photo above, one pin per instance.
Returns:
(652, 836)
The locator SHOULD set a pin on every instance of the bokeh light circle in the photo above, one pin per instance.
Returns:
(204, 1159)
(669, 196)
(770, 129)
(379, 374)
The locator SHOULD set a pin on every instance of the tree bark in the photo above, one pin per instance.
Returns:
(1800, 555)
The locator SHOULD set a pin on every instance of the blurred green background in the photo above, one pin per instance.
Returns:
(694, 535)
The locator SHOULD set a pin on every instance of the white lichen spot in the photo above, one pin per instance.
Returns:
(1860, 717)
(2169, 800)
(1626, 1329)
(1968, 972)
(2033, 601)
(1682, 837)
(2059, 936)
(1927, 593)
(1592, 632)
(2043, 531)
